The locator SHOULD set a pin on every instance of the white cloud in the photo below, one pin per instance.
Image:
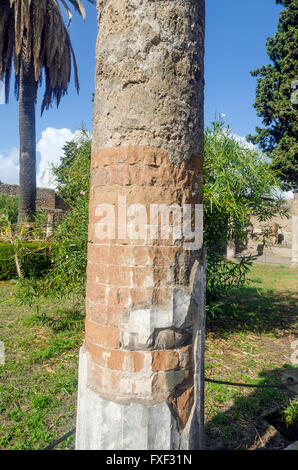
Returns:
(50, 149)
(244, 142)
(9, 166)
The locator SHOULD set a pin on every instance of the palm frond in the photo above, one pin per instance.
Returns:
(34, 30)
(78, 6)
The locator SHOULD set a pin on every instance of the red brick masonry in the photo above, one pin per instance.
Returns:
(126, 275)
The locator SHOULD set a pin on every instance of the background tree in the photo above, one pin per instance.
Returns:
(34, 38)
(69, 243)
(239, 182)
(278, 137)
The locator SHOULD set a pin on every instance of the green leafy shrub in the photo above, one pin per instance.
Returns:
(73, 171)
(290, 413)
(34, 257)
(28, 292)
(9, 207)
(7, 263)
(69, 243)
(224, 275)
(69, 253)
(238, 182)
(65, 273)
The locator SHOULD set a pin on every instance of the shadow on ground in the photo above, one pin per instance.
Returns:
(242, 424)
(255, 310)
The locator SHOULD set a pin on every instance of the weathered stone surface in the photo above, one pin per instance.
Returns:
(108, 425)
(293, 446)
(149, 76)
(165, 360)
(290, 379)
(231, 250)
(182, 402)
(170, 338)
(181, 306)
(278, 244)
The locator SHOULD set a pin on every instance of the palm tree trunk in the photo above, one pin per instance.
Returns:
(27, 142)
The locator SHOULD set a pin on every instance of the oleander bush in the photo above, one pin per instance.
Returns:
(9, 207)
(34, 258)
(238, 183)
(67, 271)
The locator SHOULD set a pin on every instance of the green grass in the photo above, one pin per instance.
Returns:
(250, 342)
(38, 382)
(290, 412)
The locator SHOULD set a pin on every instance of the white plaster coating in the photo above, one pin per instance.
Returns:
(142, 323)
(181, 304)
(293, 446)
(106, 425)
(159, 426)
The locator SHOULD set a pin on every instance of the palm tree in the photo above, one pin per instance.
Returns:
(147, 148)
(34, 38)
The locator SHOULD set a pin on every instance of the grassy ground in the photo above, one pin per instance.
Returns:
(39, 379)
(250, 342)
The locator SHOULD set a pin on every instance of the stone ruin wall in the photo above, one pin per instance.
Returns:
(280, 241)
(46, 198)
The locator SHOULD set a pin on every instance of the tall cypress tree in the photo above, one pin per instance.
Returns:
(276, 100)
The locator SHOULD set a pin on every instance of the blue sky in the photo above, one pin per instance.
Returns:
(236, 33)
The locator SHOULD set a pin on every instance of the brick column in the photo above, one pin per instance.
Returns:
(295, 230)
(136, 384)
